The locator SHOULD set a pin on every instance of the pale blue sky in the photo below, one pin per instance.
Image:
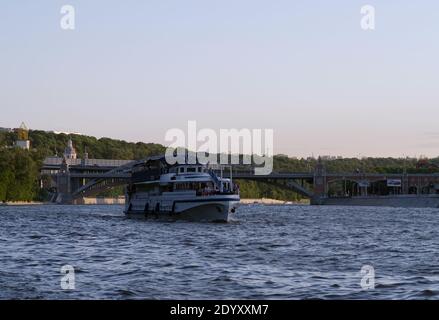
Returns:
(133, 69)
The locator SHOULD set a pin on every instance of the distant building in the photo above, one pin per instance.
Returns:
(22, 137)
(70, 152)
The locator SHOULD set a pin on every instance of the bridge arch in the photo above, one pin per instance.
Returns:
(286, 184)
(116, 177)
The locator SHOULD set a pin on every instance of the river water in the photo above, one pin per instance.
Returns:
(268, 252)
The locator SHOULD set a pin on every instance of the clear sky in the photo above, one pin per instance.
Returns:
(133, 69)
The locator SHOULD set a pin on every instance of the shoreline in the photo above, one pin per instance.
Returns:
(22, 203)
(116, 201)
(269, 201)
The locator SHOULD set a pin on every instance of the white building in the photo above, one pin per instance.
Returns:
(70, 152)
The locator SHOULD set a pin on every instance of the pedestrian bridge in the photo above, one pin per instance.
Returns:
(77, 179)
(73, 179)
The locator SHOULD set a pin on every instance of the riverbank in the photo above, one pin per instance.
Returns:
(21, 203)
(268, 201)
(100, 200)
(121, 201)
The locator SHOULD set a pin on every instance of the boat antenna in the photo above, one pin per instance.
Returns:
(231, 178)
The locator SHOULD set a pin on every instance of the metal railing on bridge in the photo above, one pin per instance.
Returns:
(57, 161)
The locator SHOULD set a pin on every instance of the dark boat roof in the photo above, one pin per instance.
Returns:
(162, 160)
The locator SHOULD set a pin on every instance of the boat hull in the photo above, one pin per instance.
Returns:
(199, 210)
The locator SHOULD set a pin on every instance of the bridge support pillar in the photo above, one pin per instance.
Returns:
(320, 184)
(405, 183)
(64, 185)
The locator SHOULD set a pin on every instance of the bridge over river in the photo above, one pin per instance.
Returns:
(74, 179)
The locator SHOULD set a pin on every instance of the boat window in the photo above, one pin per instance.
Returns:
(198, 186)
(191, 169)
(181, 169)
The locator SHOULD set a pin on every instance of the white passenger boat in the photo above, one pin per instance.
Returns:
(189, 192)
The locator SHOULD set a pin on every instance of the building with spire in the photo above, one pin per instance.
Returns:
(69, 151)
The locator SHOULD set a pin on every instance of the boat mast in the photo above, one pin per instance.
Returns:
(231, 178)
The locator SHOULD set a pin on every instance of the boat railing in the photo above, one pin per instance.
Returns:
(205, 193)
